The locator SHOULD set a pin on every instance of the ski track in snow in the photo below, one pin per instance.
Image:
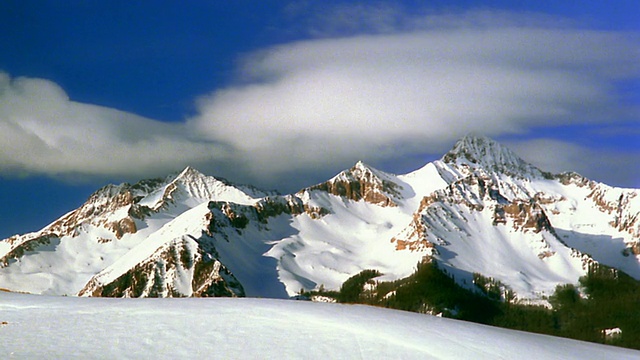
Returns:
(98, 328)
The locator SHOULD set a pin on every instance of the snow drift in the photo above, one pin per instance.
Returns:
(80, 328)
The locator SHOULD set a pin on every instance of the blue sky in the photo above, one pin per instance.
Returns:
(283, 94)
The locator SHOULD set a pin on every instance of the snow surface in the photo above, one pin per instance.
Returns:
(499, 251)
(38, 327)
(354, 237)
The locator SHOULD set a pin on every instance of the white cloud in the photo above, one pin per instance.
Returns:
(325, 100)
(604, 165)
(42, 131)
(397, 86)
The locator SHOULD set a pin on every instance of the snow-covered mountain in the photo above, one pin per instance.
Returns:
(480, 209)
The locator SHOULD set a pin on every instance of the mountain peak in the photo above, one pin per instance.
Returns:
(189, 172)
(363, 182)
(360, 165)
(481, 152)
(475, 148)
(361, 171)
(361, 168)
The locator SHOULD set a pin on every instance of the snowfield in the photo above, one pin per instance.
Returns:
(37, 327)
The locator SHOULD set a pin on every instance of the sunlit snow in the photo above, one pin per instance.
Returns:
(447, 209)
(38, 327)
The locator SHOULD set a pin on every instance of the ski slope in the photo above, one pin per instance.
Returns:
(38, 327)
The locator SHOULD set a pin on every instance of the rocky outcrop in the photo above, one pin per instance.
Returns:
(362, 182)
(624, 216)
(30, 244)
(191, 183)
(478, 152)
(573, 178)
(471, 191)
(102, 206)
(415, 238)
(524, 215)
(123, 226)
(182, 268)
(272, 206)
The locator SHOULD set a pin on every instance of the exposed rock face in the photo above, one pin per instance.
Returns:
(114, 207)
(623, 218)
(272, 206)
(479, 152)
(25, 246)
(123, 226)
(525, 215)
(618, 203)
(189, 266)
(471, 191)
(462, 210)
(191, 183)
(569, 178)
(632, 248)
(98, 208)
(173, 271)
(111, 207)
(362, 182)
(415, 238)
(476, 193)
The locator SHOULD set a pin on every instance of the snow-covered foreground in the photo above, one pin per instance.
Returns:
(64, 327)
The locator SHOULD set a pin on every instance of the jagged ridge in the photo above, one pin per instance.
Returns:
(480, 152)
(480, 208)
(363, 182)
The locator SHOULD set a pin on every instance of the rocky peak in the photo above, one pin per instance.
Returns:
(362, 182)
(190, 179)
(190, 183)
(100, 207)
(480, 152)
(360, 171)
(189, 174)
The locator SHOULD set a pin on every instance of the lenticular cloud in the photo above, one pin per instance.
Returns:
(382, 93)
(43, 131)
(419, 89)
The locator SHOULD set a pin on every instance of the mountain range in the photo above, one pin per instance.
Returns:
(479, 210)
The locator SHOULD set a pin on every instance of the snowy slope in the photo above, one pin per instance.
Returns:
(479, 209)
(503, 218)
(79, 328)
(119, 227)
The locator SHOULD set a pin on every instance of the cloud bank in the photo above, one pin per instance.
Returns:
(597, 164)
(43, 132)
(385, 95)
(411, 85)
